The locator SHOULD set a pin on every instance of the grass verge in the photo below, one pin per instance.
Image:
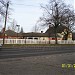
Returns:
(35, 45)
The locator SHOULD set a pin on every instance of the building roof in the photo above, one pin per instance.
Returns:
(11, 33)
(38, 35)
(33, 34)
(60, 29)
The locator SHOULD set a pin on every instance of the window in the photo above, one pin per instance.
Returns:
(36, 38)
(30, 37)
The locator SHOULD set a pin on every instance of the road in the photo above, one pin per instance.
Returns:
(34, 51)
(37, 60)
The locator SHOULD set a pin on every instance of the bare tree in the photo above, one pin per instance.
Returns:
(3, 5)
(13, 25)
(35, 29)
(3, 8)
(57, 13)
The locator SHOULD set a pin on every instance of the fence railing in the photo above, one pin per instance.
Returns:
(32, 41)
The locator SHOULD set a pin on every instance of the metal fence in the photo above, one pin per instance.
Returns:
(32, 41)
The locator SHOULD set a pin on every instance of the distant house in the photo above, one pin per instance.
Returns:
(10, 34)
(38, 36)
(35, 36)
(60, 30)
(48, 35)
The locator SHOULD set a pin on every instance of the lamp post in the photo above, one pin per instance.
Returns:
(5, 22)
(17, 30)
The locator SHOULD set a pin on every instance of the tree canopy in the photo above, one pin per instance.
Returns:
(58, 13)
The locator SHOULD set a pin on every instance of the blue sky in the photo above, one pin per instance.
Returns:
(27, 12)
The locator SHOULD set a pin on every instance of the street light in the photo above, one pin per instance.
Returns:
(17, 30)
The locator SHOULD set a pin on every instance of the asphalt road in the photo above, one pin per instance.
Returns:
(34, 51)
(37, 60)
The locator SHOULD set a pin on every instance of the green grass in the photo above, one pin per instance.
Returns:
(26, 45)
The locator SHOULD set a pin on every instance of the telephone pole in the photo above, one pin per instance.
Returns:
(7, 5)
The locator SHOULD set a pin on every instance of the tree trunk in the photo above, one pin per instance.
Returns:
(49, 37)
(56, 36)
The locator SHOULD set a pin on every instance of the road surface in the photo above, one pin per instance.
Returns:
(37, 61)
(34, 51)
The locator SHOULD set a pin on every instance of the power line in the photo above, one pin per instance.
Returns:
(38, 5)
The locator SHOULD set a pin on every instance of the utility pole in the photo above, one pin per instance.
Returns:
(7, 5)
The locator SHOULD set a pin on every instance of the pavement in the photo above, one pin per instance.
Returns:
(34, 51)
(55, 64)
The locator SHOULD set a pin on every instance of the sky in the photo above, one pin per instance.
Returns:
(27, 12)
